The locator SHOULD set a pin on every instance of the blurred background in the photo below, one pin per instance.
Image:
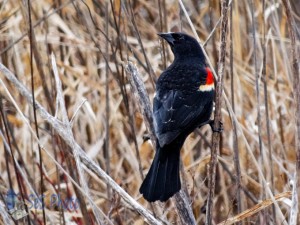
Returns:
(92, 41)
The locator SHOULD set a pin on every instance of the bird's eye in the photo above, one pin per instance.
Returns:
(178, 37)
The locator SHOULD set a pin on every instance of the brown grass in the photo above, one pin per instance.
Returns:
(95, 87)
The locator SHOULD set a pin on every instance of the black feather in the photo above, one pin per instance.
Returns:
(162, 180)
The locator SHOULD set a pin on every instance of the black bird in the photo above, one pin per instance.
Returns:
(183, 102)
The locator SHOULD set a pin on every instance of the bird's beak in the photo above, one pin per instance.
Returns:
(168, 37)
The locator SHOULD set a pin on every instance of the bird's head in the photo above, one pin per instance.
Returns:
(183, 45)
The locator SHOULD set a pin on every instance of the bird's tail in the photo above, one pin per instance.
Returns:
(162, 180)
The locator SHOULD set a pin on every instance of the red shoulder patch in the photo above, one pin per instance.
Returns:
(210, 76)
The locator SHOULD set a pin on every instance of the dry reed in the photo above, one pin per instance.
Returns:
(91, 127)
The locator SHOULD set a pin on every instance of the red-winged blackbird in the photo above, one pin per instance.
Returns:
(183, 102)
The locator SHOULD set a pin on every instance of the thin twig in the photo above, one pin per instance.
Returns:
(255, 209)
(163, 47)
(46, 91)
(257, 85)
(212, 32)
(265, 83)
(107, 108)
(77, 110)
(217, 115)
(236, 157)
(294, 203)
(296, 92)
(37, 57)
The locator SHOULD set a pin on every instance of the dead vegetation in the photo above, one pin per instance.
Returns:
(93, 120)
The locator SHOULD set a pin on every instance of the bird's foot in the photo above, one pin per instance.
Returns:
(146, 137)
(219, 129)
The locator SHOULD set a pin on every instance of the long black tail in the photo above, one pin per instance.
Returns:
(162, 180)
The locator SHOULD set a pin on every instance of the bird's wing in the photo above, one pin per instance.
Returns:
(174, 113)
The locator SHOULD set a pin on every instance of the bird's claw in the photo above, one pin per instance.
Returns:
(219, 129)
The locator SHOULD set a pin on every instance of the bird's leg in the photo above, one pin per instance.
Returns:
(219, 129)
